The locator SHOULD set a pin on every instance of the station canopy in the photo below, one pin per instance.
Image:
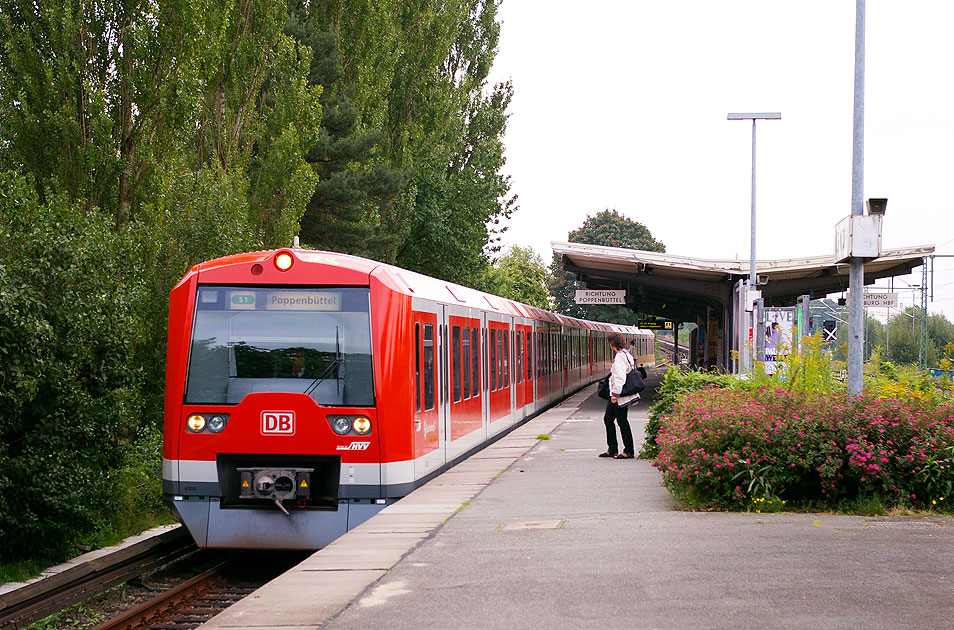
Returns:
(681, 287)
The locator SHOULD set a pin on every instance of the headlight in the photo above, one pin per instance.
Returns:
(340, 424)
(196, 423)
(217, 423)
(284, 261)
(344, 425)
(206, 423)
(361, 425)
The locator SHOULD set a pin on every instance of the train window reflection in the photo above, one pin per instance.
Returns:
(257, 339)
(428, 367)
(475, 361)
(456, 360)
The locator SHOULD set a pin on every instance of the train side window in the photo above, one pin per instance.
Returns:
(529, 354)
(506, 360)
(466, 362)
(417, 364)
(455, 358)
(519, 356)
(539, 355)
(475, 361)
(500, 361)
(428, 353)
(493, 359)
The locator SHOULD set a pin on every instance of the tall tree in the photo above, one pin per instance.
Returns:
(519, 274)
(610, 229)
(421, 81)
(93, 96)
(353, 183)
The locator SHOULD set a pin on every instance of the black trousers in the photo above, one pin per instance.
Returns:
(619, 415)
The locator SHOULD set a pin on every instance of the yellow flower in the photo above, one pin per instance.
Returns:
(933, 501)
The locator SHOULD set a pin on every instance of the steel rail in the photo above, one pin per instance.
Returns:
(37, 600)
(139, 615)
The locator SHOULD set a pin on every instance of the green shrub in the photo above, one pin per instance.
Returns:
(673, 387)
(69, 390)
(730, 448)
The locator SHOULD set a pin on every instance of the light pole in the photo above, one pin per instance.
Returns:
(753, 118)
(856, 268)
(753, 279)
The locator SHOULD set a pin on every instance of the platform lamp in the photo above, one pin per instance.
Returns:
(753, 280)
(877, 206)
(753, 117)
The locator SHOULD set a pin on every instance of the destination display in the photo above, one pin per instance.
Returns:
(655, 324)
(296, 300)
(610, 296)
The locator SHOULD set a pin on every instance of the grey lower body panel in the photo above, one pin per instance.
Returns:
(217, 527)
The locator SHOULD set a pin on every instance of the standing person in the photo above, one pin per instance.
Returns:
(617, 407)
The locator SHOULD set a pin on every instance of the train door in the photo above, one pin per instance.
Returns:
(428, 451)
(500, 392)
(484, 374)
(443, 360)
(590, 353)
(523, 365)
(565, 358)
(464, 395)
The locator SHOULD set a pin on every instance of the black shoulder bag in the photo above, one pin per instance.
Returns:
(634, 383)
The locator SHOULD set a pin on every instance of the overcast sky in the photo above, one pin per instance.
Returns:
(622, 105)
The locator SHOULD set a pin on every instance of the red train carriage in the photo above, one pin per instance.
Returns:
(307, 390)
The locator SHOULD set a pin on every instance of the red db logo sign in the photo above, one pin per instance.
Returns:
(278, 422)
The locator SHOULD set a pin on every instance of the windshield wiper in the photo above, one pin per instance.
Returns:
(331, 366)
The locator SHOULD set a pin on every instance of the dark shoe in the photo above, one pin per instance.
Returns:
(623, 456)
(608, 454)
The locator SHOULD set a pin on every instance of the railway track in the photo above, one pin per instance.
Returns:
(164, 583)
(667, 347)
(191, 603)
(37, 600)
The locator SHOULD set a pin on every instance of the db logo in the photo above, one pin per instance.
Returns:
(278, 422)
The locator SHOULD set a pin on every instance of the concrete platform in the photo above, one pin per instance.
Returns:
(546, 535)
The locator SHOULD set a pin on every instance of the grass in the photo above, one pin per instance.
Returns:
(23, 570)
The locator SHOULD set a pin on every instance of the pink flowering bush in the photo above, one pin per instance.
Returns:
(730, 448)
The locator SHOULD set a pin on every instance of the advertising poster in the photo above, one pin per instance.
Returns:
(779, 331)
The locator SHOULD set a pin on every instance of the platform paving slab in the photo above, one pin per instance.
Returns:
(340, 572)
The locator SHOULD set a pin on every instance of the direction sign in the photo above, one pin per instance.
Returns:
(656, 324)
(590, 296)
(881, 300)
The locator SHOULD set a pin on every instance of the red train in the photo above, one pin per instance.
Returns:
(307, 390)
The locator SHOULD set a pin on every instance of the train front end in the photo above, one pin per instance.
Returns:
(271, 435)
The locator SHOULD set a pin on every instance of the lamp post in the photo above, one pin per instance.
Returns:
(856, 268)
(753, 279)
(753, 118)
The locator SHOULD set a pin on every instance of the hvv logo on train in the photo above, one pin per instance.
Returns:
(278, 422)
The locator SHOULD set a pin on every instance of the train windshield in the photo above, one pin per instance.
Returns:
(308, 341)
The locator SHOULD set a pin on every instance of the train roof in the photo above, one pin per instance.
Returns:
(412, 284)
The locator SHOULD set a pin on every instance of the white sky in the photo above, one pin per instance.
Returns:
(622, 105)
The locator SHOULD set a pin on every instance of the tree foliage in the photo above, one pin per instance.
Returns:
(610, 229)
(519, 275)
(416, 133)
(900, 340)
(69, 389)
(142, 137)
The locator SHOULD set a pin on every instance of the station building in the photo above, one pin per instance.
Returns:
(710, 293)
